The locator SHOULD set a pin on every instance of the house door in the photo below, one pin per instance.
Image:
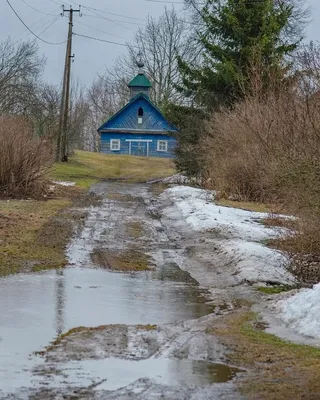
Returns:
(139, 148)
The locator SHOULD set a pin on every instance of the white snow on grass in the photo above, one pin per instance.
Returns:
(64, 183)
(241, 233)
(258, 263)
(177, 179)
(197, 207)
(301, 312)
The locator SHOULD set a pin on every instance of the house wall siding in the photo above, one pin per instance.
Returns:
(138, 148)
(127, 118)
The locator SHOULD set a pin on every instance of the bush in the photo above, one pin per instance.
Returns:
(24, 159)
(268, 150)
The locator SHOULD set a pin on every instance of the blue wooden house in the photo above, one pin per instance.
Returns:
(139, 128)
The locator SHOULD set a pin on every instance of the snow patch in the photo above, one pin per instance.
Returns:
(177, 179)
(64, 183)
(301, 312)
(202, 214)
(239, 234)
(257, 263)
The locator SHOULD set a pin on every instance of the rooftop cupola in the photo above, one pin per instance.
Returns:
(140, 83)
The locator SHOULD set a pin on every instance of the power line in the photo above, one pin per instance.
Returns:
(33, 25)
(56, 2)
(99, 40)
(110, 13)
(50, 24)
(34, 34)
(99, 30)
(113, 20)
(35, 9)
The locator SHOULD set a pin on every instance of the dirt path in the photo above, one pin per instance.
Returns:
(128, 319)
(122, 320)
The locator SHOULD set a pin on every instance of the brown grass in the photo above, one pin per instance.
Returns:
(126, 261)
(135, 229)
(24, 159)
(278, 369)
(34, 233)
(245, 205)
(120, 197)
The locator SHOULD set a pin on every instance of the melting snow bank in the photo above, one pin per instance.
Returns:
(301, 312)
(239, 233)
(64, 183)
(177, 179)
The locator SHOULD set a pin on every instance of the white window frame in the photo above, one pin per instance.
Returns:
(160, 144)
(115, 142)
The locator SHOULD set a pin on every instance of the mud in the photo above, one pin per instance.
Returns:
(187, 340)
(126, 261)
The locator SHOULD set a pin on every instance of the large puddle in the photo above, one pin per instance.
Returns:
(35, 308)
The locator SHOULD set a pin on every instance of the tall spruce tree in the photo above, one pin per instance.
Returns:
(235, 36)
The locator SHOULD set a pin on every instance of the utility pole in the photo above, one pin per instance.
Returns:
(62, 142)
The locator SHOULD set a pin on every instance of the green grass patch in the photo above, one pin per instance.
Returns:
(245, 205)
(87, 168)
(274, 289)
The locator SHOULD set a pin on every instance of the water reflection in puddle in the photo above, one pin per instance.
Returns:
(34, 308)
(116, 373)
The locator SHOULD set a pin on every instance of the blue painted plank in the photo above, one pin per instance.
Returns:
(127, 117)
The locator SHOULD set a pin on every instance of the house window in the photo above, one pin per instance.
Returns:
(162, 145)
(115, 144)
(140, 115)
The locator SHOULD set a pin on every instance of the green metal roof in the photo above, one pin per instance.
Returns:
(140, 80)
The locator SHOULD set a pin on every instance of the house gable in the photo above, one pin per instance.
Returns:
(139, 115)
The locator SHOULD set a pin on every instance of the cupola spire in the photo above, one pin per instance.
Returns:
(140, 62)
(140, 83)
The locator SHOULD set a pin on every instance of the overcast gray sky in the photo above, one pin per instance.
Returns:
(92, 56)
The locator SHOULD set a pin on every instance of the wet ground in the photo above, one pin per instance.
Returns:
(143, 334)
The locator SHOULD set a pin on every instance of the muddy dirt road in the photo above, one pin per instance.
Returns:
(123, 320)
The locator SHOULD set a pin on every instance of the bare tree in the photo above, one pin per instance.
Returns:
(307, 64)
(159, 43)
(78, 120)
(44, 110)
(20, 69)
